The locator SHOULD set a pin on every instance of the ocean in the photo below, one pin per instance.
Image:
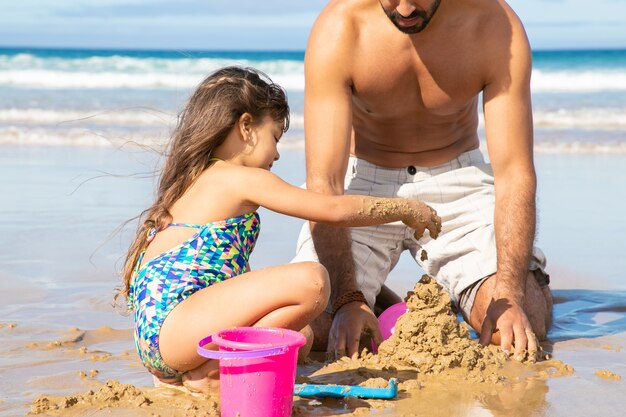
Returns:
(109, 97)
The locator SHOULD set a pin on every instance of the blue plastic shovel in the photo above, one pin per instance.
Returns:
(340, 391)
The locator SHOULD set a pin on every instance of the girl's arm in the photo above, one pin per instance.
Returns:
(268, 190)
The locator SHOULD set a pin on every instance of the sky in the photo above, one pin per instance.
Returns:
(262, 25)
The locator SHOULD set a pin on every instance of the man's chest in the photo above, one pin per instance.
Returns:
(392, 79)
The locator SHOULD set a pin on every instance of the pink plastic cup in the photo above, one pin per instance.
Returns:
(257, 369)
(387, 321)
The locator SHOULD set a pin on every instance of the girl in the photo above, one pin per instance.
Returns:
(202, 227)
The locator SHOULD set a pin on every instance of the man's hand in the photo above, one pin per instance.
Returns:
(349, 323)
(507, 316)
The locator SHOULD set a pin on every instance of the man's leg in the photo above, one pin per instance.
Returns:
(321, 328)
(537, 304)
(463, 194)
(385, 299)
(376, 249)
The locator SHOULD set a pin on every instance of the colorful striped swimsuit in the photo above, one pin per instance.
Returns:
(218, 251)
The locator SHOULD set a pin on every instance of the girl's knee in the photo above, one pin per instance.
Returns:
(313, 278)
(319, 276)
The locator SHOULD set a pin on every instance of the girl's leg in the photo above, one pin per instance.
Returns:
(288, 296)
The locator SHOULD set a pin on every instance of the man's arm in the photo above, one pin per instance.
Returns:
(508, 126)
(328, 128)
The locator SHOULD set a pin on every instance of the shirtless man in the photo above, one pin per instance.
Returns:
(391, 103)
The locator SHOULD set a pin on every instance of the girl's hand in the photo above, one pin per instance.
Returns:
(422, 217)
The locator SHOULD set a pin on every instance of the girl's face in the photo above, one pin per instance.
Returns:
(266, 135)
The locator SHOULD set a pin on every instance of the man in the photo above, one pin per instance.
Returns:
(391, 102)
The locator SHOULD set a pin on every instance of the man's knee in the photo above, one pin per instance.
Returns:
(538, 305)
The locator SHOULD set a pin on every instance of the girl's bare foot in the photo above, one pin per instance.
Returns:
(204, 379)
(304, 351)
(166, 383)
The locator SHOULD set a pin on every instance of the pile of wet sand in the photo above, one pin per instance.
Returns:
(429, 342)
(137, 401)
(430, 339)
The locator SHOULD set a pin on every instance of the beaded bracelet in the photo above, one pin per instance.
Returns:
(346, 298)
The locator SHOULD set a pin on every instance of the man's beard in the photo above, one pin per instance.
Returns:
(424, 18)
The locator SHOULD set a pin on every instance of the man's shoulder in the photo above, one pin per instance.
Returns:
(494, 26)
(346, 9)
(342, 17)
(496, 15)
(334, 35)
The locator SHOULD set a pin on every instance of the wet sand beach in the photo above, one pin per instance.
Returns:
(61, 336)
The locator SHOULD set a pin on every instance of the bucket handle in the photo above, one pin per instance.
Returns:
(247, 354)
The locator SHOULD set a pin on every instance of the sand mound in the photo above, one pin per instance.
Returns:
(429, 341)
(114, 395)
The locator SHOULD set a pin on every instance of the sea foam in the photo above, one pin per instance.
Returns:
(117, 72)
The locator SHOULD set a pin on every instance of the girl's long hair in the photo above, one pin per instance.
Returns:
(212, 111)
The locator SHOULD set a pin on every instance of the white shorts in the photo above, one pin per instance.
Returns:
(462, 192)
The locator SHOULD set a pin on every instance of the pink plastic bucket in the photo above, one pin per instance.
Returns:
(257, 369)
(387, 321)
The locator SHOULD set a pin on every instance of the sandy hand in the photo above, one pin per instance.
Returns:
(422, 217)
(509, 318)
(348, 325)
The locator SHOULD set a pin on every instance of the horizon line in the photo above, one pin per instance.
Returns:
(287, 50)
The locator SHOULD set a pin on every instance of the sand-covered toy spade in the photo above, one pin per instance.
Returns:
(340, 391)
